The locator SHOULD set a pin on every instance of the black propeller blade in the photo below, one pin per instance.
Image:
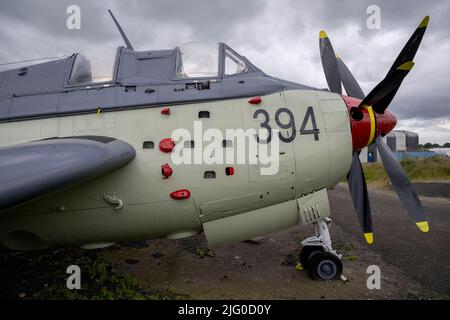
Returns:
(402, 185)
(392, 82)
(380, 97)
(410, 49)
(329, 64)
(358, 190)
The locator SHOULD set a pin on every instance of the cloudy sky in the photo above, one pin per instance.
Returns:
(279, 36)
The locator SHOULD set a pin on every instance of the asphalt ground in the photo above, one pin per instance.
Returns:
(433, 189)
(414, 265)
(424, 257)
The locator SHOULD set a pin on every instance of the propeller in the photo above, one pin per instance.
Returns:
(358, 190)
(376, 102)
(329, 63)
(402, 185)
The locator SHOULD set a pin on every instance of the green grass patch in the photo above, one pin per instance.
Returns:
(346, 249)
(349, 258)
(42, 275)
(430, 169)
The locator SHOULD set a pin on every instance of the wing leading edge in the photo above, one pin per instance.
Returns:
(34, 169)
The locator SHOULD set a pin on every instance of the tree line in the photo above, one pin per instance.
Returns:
(430, 145)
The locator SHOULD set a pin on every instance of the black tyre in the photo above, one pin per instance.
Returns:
(324, 266)
(307, 253)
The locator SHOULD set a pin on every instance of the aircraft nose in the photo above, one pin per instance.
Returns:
(369, 124)
(386, 122)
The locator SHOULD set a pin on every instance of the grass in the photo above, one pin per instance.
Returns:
(430, 169)
(42, 275)
(346, 249)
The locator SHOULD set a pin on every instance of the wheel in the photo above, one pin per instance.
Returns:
(324, 266)
(307, 252)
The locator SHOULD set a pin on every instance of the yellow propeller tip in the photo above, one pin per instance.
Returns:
(369, 237)
(424, 22)
(423, 226)
(323, 34)
(407, 66)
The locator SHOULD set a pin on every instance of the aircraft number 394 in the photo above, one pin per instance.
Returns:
(290, 125)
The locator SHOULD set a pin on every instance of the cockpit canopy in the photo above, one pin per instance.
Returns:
(206, 59)
(191, 60)
(93, 66)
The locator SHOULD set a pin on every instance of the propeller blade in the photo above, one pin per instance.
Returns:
(402, 185)
(348, 80)
(410, 49)
(383, 94)
(386, 87)
(329, 63)
(360, 197)
(407, 54)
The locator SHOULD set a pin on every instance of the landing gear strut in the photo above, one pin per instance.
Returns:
(318, 256)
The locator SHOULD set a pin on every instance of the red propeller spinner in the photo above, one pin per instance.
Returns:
(371, 125)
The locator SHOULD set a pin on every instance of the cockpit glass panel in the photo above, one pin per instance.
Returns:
(92, 67)
(234, 64)
(198, 60)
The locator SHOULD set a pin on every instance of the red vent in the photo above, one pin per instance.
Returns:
(166, 145)
(166, 171)
(229, 171)
(180, 194)
(255, 100)
(165, 111)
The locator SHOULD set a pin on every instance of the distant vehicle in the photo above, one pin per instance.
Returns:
(85, 159)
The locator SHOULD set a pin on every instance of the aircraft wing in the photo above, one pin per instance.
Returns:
(34, 169)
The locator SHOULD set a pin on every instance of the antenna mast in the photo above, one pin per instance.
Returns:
(124, 36)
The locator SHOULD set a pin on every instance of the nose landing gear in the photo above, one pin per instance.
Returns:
(318, 256)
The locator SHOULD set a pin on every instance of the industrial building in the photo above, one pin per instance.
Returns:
(404, 144)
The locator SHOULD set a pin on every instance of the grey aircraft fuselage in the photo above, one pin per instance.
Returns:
(41, 102)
